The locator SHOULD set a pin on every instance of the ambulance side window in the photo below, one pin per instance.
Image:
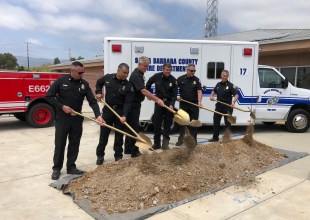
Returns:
(268, 78)
(214, 70)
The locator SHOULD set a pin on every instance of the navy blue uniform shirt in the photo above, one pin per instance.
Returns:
(165, 87)
(189, 87)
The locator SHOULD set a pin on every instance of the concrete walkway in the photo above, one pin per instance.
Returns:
(26, 161)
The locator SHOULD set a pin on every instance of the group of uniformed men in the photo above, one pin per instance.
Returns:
(125, 97)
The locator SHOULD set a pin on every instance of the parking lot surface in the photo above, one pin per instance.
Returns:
(26, 161)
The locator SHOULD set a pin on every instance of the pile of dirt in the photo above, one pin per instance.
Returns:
(173, 175)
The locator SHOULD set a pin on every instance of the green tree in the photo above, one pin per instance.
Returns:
(8, 61)
(72, 59)
(21, 68)
(80, 58)
(56, 60)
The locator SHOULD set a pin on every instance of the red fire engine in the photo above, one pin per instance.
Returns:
(22, 94)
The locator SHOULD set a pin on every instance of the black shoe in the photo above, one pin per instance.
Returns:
(165, 147)
(118, 158)
(136, 154)
(56, 174)
(179, 143)
(75, 171)
(213, 140)
(99, 160)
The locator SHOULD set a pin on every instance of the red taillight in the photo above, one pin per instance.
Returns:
(116, 48)
(247, 52)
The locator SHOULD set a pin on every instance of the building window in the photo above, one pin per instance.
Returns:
(298, 76)
(290, 74)
(303, 77)
(214, 70)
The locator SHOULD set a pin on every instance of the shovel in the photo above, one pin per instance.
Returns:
(230, 118)
(144, 145)
(141, 137)
(240, 109)
(182, 118)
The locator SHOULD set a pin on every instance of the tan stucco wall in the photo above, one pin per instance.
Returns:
(281, 60)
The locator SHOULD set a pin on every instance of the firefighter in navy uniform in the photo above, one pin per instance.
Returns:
(67, 94)
(224, 90)
(166, 88)
(138, 84)
(190, 90)
(118, 95)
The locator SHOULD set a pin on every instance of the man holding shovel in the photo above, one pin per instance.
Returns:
(190, 90)
(138, 83)
(224, 90)
(118, 95)
(67, 94)
(166, 88)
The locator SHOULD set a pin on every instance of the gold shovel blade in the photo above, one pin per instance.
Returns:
(195, 123)
(144, 144)
(181, 117)
(252, 115)
(231, 119)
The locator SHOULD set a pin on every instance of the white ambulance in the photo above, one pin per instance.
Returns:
(262, 89)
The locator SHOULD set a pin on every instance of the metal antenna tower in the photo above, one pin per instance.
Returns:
(211, 19)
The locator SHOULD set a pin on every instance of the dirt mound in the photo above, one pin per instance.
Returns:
(173, 175)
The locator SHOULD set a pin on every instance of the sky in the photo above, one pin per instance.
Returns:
(63, 28)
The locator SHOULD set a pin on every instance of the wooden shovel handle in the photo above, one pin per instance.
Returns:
(108, 126)
(119, 117)
(241, 109)
(169, 109)
(182, 100)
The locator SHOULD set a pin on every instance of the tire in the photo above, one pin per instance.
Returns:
(269, 122)
(298, 121)
(41, 115)
(20, 116)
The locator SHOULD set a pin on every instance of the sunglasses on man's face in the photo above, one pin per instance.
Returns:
(193, 71)
(80, 73)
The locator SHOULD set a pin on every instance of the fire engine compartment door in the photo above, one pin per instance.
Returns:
(12, 95)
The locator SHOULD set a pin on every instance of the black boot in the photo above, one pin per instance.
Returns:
(165, 144)
(180, 141)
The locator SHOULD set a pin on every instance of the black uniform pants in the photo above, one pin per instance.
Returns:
(70, 127)
(133, 121)
(162, 115)
(217, 119)
(193, 112)
(111, 119)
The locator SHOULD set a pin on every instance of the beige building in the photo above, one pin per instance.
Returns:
(286, 49)
(93, 69)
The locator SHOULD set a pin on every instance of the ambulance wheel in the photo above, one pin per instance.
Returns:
(20, 116)
(298, 121)
(41, 115)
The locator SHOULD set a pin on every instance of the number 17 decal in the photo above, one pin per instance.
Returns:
(243, 71)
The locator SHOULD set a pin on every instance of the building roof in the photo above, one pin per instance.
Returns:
(267, 36)
(98, 59)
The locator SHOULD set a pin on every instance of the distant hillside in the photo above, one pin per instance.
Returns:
(22, 61)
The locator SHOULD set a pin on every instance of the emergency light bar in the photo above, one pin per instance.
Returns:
(116, 48)
(247, 52)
